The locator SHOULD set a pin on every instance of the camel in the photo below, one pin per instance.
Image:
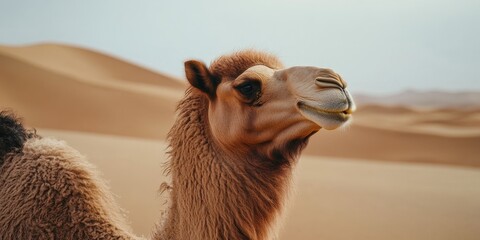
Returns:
(233, 149)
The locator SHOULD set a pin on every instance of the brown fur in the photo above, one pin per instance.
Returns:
(217, 194)
(49, 191)
(232, 65)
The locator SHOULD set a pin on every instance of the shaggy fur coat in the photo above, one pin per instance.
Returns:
(49, 191)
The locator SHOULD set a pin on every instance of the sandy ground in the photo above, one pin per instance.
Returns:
(394, 173)
(335, 198)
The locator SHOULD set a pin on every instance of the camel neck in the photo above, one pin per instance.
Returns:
(214, 196)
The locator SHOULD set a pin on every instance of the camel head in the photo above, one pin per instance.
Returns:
(256, 103)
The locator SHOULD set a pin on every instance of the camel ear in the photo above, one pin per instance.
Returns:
(200, 77)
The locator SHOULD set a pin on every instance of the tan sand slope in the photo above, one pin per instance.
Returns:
(445, 136)
(86, 64)
(444, 122)
(391, 145)
(336, 199)
(71, 88)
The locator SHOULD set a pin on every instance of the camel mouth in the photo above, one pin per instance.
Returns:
(327, 119)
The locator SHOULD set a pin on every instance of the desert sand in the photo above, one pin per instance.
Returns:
(394, 173)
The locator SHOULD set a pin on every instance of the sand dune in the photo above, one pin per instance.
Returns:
(86, 64)
(118, 114)
(451, 122)
(48, 97)
(445, 136)
(392, 145)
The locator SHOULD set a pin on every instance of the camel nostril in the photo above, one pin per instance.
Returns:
(327, 82)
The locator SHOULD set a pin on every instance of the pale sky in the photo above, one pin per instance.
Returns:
(378, 46)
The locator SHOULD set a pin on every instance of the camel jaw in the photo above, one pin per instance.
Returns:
(327, 119)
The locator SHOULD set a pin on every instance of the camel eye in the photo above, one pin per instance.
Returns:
(249, 89)
(246, 89)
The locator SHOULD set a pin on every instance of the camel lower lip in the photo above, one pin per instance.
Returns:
(327, 119)
(305, 106)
